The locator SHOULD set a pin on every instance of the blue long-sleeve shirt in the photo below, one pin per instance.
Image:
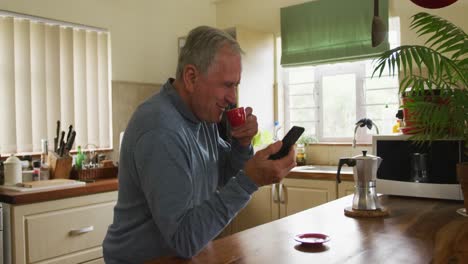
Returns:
(180, 184)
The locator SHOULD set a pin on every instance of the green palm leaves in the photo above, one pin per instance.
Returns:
(441, 64)
(433, 78)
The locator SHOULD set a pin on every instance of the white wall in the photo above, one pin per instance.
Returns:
(144, 32)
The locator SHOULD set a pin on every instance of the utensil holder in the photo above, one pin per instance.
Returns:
(60, 167)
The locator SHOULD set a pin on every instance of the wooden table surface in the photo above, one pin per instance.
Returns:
(418, 230)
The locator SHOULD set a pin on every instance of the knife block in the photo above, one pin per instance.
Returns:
(60, 167)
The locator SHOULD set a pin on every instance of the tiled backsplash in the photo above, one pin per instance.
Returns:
(319, 154)
(126, 96)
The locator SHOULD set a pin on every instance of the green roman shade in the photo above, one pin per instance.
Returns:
(326, 31)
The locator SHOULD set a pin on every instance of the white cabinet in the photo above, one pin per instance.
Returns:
(297, 195)
(279, 200)
(262, 208)
(68, 230)
(345, 188)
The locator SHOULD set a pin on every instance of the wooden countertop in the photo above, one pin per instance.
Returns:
(106, 185)
(304, 172)
(418, 230)
(16, 198)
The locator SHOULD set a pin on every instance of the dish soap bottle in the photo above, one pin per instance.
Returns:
(396, 127)
(300, 155)
(79, 159)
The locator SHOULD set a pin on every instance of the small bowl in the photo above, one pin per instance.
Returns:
(312, 238)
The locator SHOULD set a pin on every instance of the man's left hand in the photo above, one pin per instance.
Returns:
(245, 133)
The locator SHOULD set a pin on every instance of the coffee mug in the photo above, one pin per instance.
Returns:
(236, 116)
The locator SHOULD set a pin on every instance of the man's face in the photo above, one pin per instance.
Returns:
(216, 89)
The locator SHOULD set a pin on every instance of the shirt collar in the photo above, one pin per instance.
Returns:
(178, 103)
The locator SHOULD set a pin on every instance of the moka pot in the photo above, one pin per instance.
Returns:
(365, 175)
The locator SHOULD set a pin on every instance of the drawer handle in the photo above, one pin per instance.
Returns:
(76, 232)
(274, 194)
(282, 196)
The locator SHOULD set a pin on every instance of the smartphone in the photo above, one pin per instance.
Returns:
(288, 141)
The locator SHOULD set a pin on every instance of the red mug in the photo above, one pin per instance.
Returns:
(236, 116)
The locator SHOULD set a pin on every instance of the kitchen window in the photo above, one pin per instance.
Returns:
(52, 70)
(329, 99)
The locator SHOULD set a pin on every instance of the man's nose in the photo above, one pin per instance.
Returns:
(231, 96)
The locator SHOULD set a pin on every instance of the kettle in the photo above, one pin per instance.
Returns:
(13, 173)
(365, 175)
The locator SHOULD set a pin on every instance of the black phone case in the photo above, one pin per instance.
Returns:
(291, 137)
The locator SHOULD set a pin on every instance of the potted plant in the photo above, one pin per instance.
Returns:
(301, 146)
(433, 80)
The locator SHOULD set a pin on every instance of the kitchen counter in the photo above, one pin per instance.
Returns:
(13, 197)
(418, 230)
(107, 185)
(321, 172)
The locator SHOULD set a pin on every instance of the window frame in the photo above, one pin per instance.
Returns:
(363, 136)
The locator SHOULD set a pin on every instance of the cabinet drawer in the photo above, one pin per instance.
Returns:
(61, 232)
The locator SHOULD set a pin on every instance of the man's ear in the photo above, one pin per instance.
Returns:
(190, 76)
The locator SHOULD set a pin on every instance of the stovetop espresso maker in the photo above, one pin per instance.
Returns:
(365, 175)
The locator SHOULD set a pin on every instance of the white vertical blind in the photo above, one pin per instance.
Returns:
(7, 86)
(52, 71)
(67, 103)
(79, 76)
(52, 79)
(38, 85)
(104, 84)
(92, 87)
(23, 85)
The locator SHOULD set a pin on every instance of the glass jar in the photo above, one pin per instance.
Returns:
(300, 155)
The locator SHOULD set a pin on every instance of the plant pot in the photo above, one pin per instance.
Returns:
(411, 124)
(462, 175)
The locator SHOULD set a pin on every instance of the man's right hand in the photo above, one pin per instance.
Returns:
(264, 171)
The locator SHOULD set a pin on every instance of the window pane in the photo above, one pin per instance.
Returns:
(383, 116)
(382, 82)
(308, 126)
(302, 75)
(298, 115)
(302, 101)
(387, 96)
(339, 105)
(306, 88)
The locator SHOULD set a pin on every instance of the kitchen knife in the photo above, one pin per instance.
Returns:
(62, 144)
(56, 142)
(70, 129)
(70, 142)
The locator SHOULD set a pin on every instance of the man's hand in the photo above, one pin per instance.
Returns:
(263, 171)
(245, 133)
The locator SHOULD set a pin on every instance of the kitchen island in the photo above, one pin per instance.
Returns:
(418, 230)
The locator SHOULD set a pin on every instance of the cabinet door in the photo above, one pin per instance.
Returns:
(260, 210)
(345, 188)
(298, 194)
(67, 230)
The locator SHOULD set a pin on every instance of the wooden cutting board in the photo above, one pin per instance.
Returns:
(32, 186)
(45, 183)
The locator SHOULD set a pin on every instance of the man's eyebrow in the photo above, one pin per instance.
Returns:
(232, 83)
